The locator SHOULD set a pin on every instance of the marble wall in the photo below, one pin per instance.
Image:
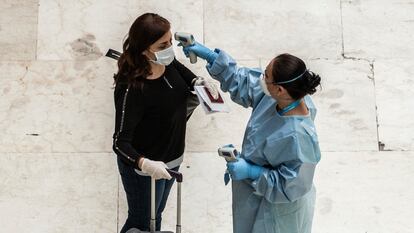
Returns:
(57, 170)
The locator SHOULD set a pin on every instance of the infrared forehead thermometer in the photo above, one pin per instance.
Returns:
(228, 153)
(186, 39)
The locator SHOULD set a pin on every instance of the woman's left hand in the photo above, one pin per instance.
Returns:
(209, 84)
(241, 169)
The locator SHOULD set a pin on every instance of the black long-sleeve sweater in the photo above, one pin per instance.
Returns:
(151, 122)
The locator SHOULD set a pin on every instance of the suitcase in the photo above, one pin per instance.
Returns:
(179, 177)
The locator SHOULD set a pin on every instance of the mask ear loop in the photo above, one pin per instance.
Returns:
(149, 59)
(294, 79)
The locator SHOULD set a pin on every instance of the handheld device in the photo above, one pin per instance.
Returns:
(228, 153)
(186, 39)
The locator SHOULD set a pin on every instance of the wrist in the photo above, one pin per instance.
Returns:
(140, 161)
(211, 57)
(255, 172)
(197, 80)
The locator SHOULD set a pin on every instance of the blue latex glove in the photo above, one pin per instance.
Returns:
(242, 169)
(201, 51)
(228, 145)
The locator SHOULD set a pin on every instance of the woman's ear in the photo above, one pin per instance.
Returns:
(278, 89)
(147, 54)
(281, 91)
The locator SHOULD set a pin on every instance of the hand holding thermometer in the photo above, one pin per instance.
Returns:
(186, 39)
(229, 153)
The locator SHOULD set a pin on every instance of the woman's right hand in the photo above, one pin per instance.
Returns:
(156, 169)
(201, 51)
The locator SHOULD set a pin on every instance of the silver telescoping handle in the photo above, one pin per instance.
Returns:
(179, 177)
(153, 217)
(178, 228)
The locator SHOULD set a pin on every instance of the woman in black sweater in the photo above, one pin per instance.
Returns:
(151, 90)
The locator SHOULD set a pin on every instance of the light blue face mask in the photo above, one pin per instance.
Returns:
(292, 80)
(164, 57)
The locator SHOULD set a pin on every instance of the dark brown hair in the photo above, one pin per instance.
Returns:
(133, 66)
(286, 67)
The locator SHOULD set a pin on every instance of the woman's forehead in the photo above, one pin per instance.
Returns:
(166, 37)
(269, 68)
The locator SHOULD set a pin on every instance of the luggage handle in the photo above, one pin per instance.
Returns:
(177, 175)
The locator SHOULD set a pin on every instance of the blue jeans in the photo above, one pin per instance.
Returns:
(138, 194)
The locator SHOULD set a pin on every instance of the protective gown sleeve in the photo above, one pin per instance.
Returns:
(243, 84)
(296, 156)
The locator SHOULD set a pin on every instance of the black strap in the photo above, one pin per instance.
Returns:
(113, 54)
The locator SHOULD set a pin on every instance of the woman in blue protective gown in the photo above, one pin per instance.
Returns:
(272, 180)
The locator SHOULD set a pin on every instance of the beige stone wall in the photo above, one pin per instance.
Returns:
(57, 169)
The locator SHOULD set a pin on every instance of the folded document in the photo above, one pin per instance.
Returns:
(210, 105)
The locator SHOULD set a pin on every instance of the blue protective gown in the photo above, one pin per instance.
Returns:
(282, 199)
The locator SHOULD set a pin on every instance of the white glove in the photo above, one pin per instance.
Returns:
(209, 84)
(156, 169)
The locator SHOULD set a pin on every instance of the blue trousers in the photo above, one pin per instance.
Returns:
(138, 194)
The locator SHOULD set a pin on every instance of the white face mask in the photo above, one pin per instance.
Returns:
(164, 57)
(264, 85)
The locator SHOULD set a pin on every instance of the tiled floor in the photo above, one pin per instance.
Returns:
(57, 171)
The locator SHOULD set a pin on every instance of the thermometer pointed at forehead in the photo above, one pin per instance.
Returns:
(186, 39)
